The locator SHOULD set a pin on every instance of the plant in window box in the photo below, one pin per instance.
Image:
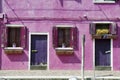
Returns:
(102, 31)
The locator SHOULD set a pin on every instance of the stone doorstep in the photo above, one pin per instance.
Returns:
(102, 68)
(38, 67)
(59, 73)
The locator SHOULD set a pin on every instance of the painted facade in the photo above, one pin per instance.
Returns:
(40, 16)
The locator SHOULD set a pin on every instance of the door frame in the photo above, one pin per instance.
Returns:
(111, 47)
(30, 34)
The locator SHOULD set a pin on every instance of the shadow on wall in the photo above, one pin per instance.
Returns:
(27, 39)
(76, 39)
(0, 50)
(18, 57)
(69, 58)
(21, 57)
(116, 42)
(0, 58)
(0, 6)
(62, 1)
(118, 2)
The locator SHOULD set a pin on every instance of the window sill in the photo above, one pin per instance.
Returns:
(104, 1)
(62, 51)
(13, 50)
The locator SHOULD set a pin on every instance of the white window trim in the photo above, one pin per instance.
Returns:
(65, 26)
(14, 25)
(102, 1)
(30, 34)
(102, 22)
(65, 48)
(14, 48)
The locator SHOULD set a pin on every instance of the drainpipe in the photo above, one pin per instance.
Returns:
(82, 64)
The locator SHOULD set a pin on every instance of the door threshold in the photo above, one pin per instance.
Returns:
(38, 67)
(106, 68)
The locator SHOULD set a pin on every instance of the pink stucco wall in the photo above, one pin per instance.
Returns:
(41, 15)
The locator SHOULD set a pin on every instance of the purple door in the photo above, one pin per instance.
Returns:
(102, 52)
(38, 49)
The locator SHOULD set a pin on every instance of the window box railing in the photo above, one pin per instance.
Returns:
(13, 50)
(105, 36)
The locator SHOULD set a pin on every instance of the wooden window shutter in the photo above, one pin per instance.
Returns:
(75, 37)
(71, 37)
(55, 36)
(23, 36)
(4, 36)
(113, 28)
(92, 28)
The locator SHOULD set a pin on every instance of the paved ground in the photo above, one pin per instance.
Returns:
(56, 74)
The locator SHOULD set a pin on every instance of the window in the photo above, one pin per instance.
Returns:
(104, 1)
(64, 37)
(14, 36)
(103, 29)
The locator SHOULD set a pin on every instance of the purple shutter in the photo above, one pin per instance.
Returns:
(113, 28)
(75, 37)
(23, 37)
(71, 37)
(55, 36)
(92, 29)
(4, 36)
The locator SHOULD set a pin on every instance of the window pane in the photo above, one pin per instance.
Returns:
(13, 37)
(102, 26)
(63, 37)
(67, 37)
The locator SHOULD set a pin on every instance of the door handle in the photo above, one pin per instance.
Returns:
(34, 51)
(107, 51)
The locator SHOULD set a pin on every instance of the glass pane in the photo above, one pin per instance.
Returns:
(67, 38)
(60, 37)
(13, 37)
(64, 37)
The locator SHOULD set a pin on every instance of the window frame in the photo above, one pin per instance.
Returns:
(103, 1)
(112, 27)
(14, 34)
(64, 48)
(10, 50)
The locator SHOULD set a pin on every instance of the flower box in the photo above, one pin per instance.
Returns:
(102, 31)
(13, 50)
(64, 51)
